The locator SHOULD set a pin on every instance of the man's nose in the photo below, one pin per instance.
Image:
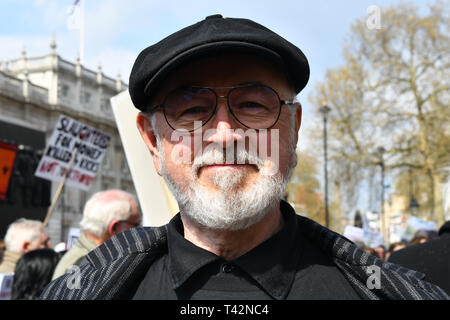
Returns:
(223, 125)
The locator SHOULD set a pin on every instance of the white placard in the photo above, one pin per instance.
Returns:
(354, 233)
(157, 203)
(371, 238)
(6, 282)
(92, 147)
(74, 234)
(414, 224)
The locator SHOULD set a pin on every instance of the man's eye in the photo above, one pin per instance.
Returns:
(251, 106)
(194, 111)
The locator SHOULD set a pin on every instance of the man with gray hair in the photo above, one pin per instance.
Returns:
(220, 118)
(22, 236)
(105, 214)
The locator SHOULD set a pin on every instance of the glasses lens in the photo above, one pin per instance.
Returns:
(255, 106)
(186, 105)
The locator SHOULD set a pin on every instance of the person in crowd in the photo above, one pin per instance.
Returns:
(380, 251)
(2, 250)
(395, 247)
(33, 272)
(22, 236)
(421, 236)
(431, 257)
(105, 214)
(370, 250)
(207, 94)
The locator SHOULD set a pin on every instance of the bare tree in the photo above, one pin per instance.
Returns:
(393, 91)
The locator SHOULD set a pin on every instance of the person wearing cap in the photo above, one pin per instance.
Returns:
(220, 118)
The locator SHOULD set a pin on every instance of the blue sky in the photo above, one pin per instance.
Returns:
(117, 30)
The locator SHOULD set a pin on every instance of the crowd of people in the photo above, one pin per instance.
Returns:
(428, 252)
(383, 252)
(26, 251)
(28, 255)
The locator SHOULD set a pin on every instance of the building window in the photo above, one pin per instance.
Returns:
(107, 160)
(124, 165)
(87, 97)
(65, 90)
(106, 107)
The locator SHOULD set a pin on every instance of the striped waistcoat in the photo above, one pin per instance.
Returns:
(115, 269)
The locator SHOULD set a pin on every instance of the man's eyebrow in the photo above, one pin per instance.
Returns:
(245, 83)
(250, 83)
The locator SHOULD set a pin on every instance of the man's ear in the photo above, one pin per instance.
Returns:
(145, 129)
(298, 120)
(112, 228)
(298, 117)
(26, 246)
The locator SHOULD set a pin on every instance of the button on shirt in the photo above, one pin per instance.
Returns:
(286, 266)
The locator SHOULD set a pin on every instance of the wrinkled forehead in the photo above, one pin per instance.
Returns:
(225, 70)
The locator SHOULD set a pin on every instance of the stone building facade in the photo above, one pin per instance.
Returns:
(34, 91)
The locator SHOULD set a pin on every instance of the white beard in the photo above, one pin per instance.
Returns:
(230, 208)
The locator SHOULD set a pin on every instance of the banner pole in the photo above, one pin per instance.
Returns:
(61, 185)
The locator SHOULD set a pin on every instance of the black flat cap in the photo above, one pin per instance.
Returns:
(215, 34)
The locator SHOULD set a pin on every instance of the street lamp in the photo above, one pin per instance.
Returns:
(325, 110)
(381, 150)
(414, 207)
(413, 204)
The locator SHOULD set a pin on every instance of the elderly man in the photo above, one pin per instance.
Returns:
(105, 214)
(22, 236)
(220, 119)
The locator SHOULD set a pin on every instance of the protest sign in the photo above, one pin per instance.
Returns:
(354, 233)
(414, 224)
(74, 234)
(7, 156)
(70, 134)
(157, 202)
(6, 281)
(371, 238)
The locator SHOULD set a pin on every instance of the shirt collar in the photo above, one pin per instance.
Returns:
(185, 258)
(86, 243)
(12, 256)
(272, 264)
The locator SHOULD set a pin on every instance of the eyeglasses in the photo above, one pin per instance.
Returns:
(255, 106)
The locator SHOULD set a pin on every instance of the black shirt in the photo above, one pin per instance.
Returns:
(286, 266)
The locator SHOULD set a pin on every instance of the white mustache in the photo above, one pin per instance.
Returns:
(220, 156)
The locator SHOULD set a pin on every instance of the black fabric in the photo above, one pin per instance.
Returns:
(431, 258)
(286, 266)
(445, 228)
(116, 268)
(211, 35)
(34, 191)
